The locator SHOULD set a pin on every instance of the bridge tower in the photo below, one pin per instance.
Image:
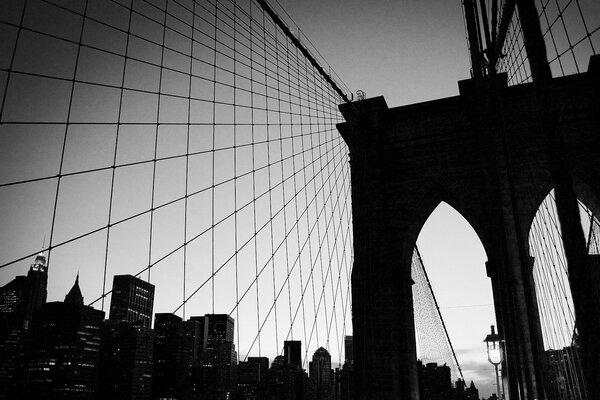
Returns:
(486, 153)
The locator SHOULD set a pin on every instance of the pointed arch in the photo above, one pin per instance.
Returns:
(430, 200)
(554, 297)
(462, 261)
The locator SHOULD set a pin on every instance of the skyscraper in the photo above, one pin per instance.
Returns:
(216, 376)
(220, 329)
(63, 352)
(174, 350)
(23, 296)
(195, 334)
(252, 378)
(349, 349)
(168, 369)
(125, 366)
(199, 323)
(126, 354)
(132, 300)
(292, 352)
(286, 381)
(320, 374)
(20, 300)
(435, 382)
(38, 278)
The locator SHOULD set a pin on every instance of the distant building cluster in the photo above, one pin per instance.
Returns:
(68, 350)
(435, 383)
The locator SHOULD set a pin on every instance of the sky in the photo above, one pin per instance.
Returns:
(408, 51)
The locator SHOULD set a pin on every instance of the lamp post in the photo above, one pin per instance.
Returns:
(494, 353)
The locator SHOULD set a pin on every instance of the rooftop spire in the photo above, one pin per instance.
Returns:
(74, 295)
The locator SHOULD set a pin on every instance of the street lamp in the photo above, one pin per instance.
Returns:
(494, 353)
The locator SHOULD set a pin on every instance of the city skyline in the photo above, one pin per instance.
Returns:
(128, 287)
(69, 347)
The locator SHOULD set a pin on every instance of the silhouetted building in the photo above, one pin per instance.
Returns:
(199, 323)
(286, 381)
(20, 299)
(132, 300)
(252, 378)
(346, 383)
(225, 364)
(170, 358)
(320, 374)
(23, 296)
(292, 352)
(13, 300)
(175, 352)
(462, 392)
(125, 366)
(472, 392)
(435, 381)
(349, 349)
(195, 332)
(215, 376)
(126, 355)
(63, 350)
(220, 329)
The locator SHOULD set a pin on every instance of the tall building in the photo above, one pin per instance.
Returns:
(216, 375)
(38, 278)
(195, 333)
(125, 365)
(286, 381)
(63, 353)
(321, 375)
(224, 358)
(23, 296)
(349, 349)
(252, 378)
(220, 329)
(126, 354)
(167, 363)
(346, 382)
(292, 352)
(20, 300)
(435, 382)
(13, 303)
(201, 324)
(132, 300)
(174, 349)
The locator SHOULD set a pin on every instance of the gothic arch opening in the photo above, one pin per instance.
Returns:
(554, 298)
(454, 259)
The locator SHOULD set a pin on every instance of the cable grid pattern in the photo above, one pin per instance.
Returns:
(189, 143)
(571, 29)
(555, 303)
